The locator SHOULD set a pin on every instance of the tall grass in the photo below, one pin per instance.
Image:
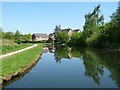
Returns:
(11, 48)
(16, 63)
(8, 42)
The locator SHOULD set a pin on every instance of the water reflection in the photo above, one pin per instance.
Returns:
(66, 52)
(94, 60)
(75, 67)
(18, 77)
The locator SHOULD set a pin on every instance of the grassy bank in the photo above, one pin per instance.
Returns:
(8, 42)
(11, 48)
(16, 63)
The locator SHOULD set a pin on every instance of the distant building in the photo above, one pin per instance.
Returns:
(76, 30)
(68, 30)
(58, 29)
(51, 36)
(40, 37)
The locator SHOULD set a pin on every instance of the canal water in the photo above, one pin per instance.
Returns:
(72, 68)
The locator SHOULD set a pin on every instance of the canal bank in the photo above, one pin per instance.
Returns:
(87, 68)
(19, 63)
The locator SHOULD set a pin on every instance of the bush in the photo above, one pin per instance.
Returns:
(95, 40)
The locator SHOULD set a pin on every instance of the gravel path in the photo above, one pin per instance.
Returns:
(15, 52)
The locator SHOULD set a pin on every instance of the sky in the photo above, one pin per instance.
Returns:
(42, 17)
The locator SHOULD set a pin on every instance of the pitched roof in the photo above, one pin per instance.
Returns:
(67, 30)
(51, 34)
(76, 30)
(40, 35)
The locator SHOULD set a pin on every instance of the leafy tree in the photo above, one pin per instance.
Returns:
(26, 37)
(92, 22)
(62, 37)
(17, 37)
(75, 38)
(57, 29)
(9, 35)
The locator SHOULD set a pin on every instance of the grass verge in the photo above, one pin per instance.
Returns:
(17, 63)
(11, 48)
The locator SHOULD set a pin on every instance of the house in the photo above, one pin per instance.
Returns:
(51, 36)
(40, 37)
(68, 30)
(57, 29)
(76, 30)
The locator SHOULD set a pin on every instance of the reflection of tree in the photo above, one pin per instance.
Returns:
(66, 52)
(57, 58)
(75, 52)
(111, 60)
(61, 53)
(96, 60)
(93, 66)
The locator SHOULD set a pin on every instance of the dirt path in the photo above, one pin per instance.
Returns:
(15, 52)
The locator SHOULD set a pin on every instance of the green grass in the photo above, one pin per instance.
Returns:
(16, 63)
(11, 48)
(0, 72)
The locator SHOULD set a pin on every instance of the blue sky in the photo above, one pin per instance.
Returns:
(41, 17)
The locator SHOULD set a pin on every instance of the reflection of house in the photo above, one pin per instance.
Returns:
(45, 50)
(40, 37)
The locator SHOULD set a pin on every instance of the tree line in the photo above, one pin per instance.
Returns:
(96, 33)
(17, 36)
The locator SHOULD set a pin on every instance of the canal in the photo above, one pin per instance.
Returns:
(72, 68)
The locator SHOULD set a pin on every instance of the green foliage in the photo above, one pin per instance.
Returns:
(9, 35)
(75, 38)
(62, 37)
(17, 37)
(6, 35)
(98, 34)
(26, 37)
(95, 40)
(92, 22)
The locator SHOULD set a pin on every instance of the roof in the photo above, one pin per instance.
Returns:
(67, 30)
(40, 35)
(51, 34)
(76, 30)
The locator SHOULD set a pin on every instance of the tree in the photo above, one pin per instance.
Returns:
(62, 37)
(9, 35)
(17, 37)
(56, 30)
(75, 38)
(92, 22)
(26, 37)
